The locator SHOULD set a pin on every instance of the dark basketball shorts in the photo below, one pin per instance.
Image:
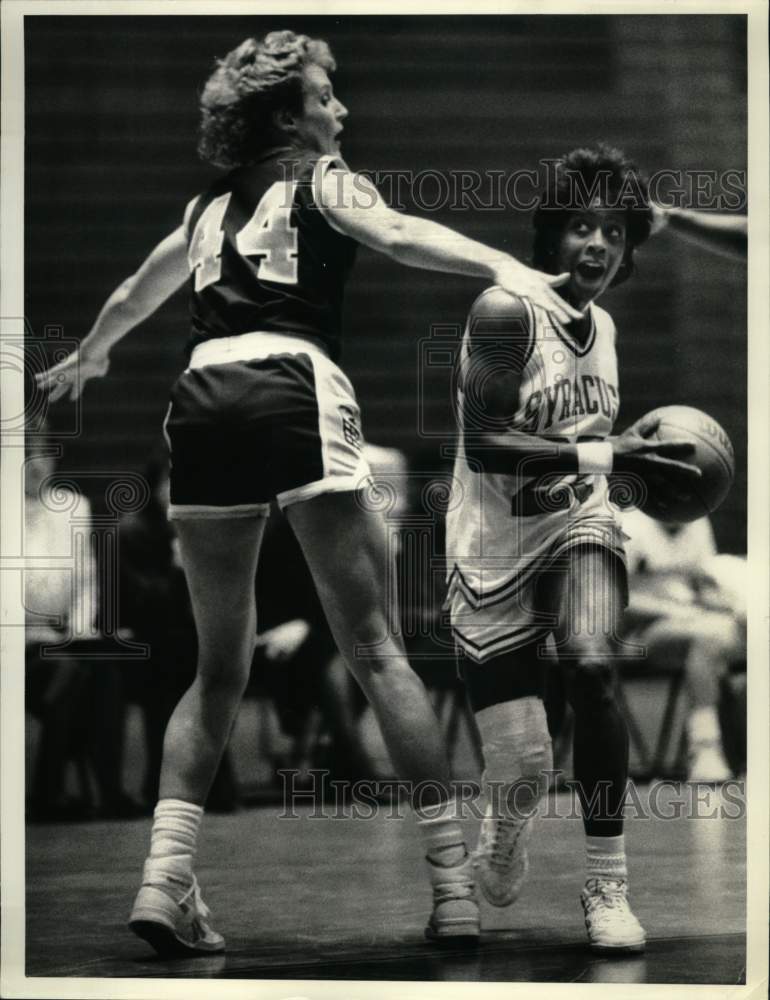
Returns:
(260, 417)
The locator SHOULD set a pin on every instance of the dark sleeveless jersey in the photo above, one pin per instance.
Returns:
(263, 257)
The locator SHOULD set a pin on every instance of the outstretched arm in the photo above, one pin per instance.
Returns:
(161, 274)
(352, 205)
(724, 234)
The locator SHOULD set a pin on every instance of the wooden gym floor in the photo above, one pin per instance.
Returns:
(347, 899)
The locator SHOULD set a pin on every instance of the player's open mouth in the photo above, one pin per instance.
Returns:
(590, 271)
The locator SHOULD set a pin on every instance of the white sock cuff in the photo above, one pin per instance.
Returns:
(606, 856)
(439, 825)
(175, 829)
(440, 812)
(442, 833)
(606, 845)
(703, 725)
(177, 807)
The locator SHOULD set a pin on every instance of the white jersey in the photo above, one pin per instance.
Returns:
(500, 532)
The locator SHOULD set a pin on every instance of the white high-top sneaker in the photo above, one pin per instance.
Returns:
(170, 914)
(611, 925)
(455, 917)
(501, 859)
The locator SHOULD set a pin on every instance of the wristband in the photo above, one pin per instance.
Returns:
(595, 457)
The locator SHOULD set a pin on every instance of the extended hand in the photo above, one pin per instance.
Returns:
(539, 288)
(659, 218)
(69, 377)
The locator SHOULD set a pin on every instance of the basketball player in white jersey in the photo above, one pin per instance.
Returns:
(535, 555)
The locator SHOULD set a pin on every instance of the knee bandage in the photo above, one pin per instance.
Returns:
(517, 755)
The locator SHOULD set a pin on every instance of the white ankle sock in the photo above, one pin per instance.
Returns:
(442, 834)
(606, 857)
(517, 751)
(175, 832)
(703, 726)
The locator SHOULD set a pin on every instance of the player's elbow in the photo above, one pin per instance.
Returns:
(132, 301)
(123, 299)
(394, 236)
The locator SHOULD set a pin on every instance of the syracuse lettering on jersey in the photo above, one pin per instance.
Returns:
(568, 398)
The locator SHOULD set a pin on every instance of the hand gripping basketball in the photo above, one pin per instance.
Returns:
(639, 450)
(678, 490)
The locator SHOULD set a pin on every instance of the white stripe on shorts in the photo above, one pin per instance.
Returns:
(481, 652)
(329, 484)
(251, 347)
(345, 466)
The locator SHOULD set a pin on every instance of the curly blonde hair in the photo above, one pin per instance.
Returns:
(256, 79)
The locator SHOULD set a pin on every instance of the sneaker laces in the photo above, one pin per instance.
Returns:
(603, 894)
(194, 891)
(453, 888)
(444, 891)
(504, 841)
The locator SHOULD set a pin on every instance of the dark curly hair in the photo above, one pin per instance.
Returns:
(579, 177)
(253, 81)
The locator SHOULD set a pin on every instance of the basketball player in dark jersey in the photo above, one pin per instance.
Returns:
(263, 412)
(535, 551)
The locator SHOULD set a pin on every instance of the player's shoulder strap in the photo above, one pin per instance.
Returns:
(503, 327)
(322, 166)
(604, 322)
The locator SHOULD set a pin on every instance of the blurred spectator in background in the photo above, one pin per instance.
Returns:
(688, 608)
(155, 609)
(78, 701)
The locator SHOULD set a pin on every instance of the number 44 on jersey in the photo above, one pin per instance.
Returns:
(268, 235)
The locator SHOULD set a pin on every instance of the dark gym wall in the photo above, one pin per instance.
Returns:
(110, 164)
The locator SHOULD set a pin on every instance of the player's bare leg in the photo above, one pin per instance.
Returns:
(588, 593)
(219, 556)
(346, 547)
(220, 561)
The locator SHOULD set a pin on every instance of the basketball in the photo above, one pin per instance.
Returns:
(667, 498)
